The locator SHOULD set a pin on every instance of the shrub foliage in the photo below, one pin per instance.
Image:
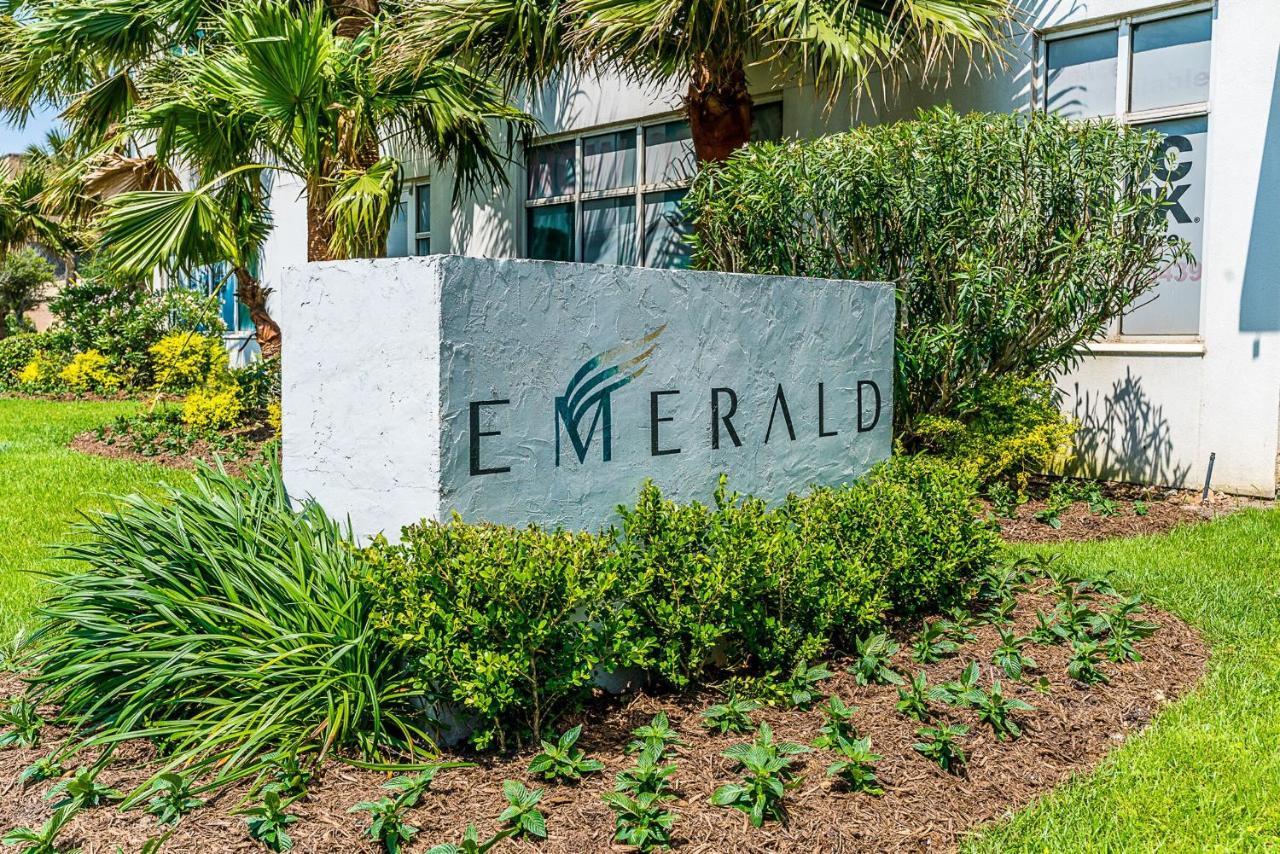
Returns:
(512, 625)
(1012, 239)
(223, 623)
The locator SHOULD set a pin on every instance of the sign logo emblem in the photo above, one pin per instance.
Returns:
(590, 392)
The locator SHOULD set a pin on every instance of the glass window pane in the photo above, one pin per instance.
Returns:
(609, 160)
(423, 207)
(668, 153)
(665, 227)
(398, 235)
(609, 231)
(1171, 62)
(550, 235)
(551, 170)
(422, 246)
(766, 122)
(1081, 76)
(1173, 308)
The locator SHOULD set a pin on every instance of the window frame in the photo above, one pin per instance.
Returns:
(637, 191)
(1124, 26)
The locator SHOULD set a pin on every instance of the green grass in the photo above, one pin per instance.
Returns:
(44, 486)
(1206, 775)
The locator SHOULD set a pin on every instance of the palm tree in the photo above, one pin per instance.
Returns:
(708, 46)
(258, 87)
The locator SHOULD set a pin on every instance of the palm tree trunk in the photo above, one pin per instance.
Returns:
(253, 296)
(719, 108)
(319, 226)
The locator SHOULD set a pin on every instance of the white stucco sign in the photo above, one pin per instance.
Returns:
(530, 391)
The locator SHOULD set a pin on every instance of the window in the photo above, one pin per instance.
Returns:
(1150, 72)
(613, 197)
(422, 219)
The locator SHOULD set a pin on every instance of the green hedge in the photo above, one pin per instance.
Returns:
(513, 626)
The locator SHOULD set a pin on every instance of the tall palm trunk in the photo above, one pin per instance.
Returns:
(319, 226)
(719, 108)
(253, 296)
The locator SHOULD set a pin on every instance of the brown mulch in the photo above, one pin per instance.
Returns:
(1166, 509)
(923, 808)
(255, 439)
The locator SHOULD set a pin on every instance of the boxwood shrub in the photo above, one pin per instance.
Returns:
(513, 626)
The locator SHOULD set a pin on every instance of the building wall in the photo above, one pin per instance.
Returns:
(1152, 408)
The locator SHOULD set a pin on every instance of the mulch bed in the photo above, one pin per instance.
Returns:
(255, 439)
(1073, 728)
(1166, 510)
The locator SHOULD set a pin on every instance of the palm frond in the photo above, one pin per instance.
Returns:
(360, 208)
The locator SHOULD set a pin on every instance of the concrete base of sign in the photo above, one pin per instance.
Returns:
(521, 391)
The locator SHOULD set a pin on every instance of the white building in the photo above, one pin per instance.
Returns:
(1193, 372)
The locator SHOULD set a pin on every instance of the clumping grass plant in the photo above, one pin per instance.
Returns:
(226, 625)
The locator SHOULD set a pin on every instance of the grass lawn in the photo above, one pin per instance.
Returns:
(1206, 776)
(44, 486)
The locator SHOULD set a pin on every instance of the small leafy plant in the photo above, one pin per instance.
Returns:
(1141, 508)
(43, 839)
(1048, 632)
(269, 821)
(837, 724)
(1083, 666)
(83, 790)
(801, 688)
(641, 820)
(938, 743)
(522, 813)
(1061, 496)
(288, 775)
(562, 760)
(1004, 498)
(1099, 504)
(933, 643)
(913, 699)
(387, 823)
(657, 733)
(1121, 632)
(471, 843)
(856, 766)
(769, 775)
(874, 655)
(999, 612)
(955, 692)
(957, 626)
(23, 722)
(996, 710)
(647, 776)
(1009, 656)
(731, 716)
(172, 798)
(44, 768)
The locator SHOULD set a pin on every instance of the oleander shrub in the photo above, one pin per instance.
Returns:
(507, 625)
(1011, 238)
(225, 624)
(182, 361)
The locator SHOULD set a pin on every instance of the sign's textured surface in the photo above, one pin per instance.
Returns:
(528, 391)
